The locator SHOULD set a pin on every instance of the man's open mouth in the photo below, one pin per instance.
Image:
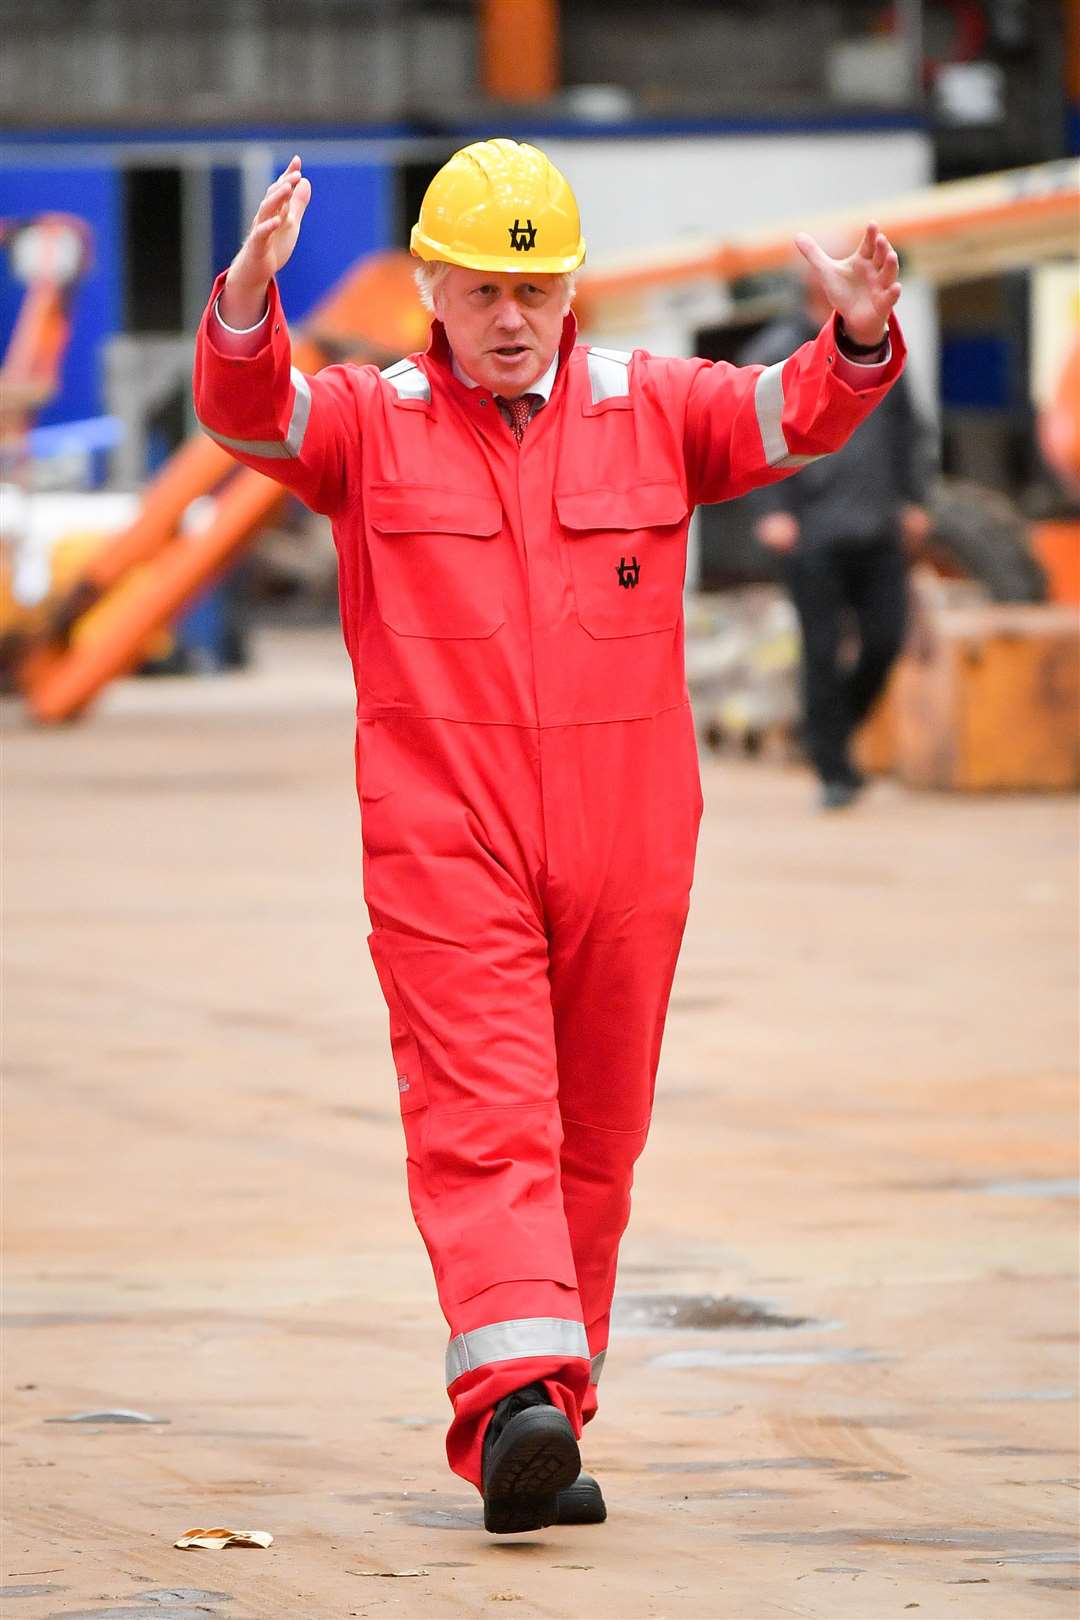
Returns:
(510, 351)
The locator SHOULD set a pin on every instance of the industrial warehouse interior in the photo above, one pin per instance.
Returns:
(540, 654)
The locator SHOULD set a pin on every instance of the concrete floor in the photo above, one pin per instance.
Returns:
(866, 1122)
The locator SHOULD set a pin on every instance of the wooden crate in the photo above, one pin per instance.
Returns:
(991, 700)
(874, 744)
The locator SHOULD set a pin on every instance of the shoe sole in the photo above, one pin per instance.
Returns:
(534, 1458)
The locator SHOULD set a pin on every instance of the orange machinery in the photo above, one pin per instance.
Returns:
(50, 254)
(373, 313)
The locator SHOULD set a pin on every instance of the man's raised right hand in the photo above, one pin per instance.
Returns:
(268, 246)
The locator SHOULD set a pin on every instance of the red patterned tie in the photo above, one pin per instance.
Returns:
(518, 411)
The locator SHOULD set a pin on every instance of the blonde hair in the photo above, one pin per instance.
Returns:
(431, 273)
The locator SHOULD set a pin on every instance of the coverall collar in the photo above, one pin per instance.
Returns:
(541, 387)
(439, 351)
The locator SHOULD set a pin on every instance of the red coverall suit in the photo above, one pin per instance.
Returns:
(528, 779)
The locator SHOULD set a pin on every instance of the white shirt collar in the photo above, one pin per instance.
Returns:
(542, 386)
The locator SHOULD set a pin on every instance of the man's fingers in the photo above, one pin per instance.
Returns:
(275, 198)
(299, 201)
(887, 274)
(812, 251)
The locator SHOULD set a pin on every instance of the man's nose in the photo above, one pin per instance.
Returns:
(509, 315)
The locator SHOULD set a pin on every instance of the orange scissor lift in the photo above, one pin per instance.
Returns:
(946, 233)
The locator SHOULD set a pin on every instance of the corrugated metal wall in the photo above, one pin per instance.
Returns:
(194, 62)
(136, 61)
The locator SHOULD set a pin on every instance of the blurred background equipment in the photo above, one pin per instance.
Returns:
(698, 138)
(195, 517)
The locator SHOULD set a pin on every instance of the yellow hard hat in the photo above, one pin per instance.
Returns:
(500, 205)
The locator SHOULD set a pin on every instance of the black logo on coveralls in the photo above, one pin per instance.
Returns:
(522, 237)
(629, 573)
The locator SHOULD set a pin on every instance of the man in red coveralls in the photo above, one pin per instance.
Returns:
(510, 512)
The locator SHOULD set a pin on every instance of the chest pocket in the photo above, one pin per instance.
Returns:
(436, 569)
(627, 550)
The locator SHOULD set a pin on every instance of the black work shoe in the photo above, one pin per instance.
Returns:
(838, 795)
(582, 1502)
(530, 1455)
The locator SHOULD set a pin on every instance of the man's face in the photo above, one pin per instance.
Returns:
(504, 329)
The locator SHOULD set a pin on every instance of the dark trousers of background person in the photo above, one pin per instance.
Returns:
(835, 585)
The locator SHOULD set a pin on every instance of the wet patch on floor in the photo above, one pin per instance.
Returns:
(1011, 1451)
(871, 1476)
(765, 1358)
(931, 1536)
(255, 1019)
(365, 1498)
(1003, 1187)
(744, 1465)
(1034, 1187)
(362, 1116)
(1031, 1558)
(760, 1494)
(165, 785)
(448, 1519)
(1031, 1395)
(172, 1595)
(876, 1420)
(1060, 1583)
(156, 1612)
(246, 1434)
(36, 1319)
(643, 1313)
(31, 1590)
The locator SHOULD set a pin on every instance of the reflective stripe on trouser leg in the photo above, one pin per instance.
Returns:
(598, 1365)
(525, 1337)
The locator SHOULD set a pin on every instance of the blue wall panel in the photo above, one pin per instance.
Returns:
(976, 370)
(227, 228)
(350, 213)
(94, 195)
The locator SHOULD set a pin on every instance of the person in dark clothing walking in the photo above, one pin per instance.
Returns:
(845, 526)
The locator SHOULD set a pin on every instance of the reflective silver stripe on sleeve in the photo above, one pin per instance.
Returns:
(609, 373)
(598, 1364)
(552, 1336)
(294, 439)
(276, 449)
(769, 405)
(407, 379)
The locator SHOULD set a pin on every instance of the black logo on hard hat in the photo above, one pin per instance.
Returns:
(522, 237)
(629, 573)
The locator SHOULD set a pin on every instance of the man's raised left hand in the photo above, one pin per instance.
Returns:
(863, 287)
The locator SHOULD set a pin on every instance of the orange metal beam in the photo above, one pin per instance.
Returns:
(66, 682)
(725, 260)
(520, 49)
